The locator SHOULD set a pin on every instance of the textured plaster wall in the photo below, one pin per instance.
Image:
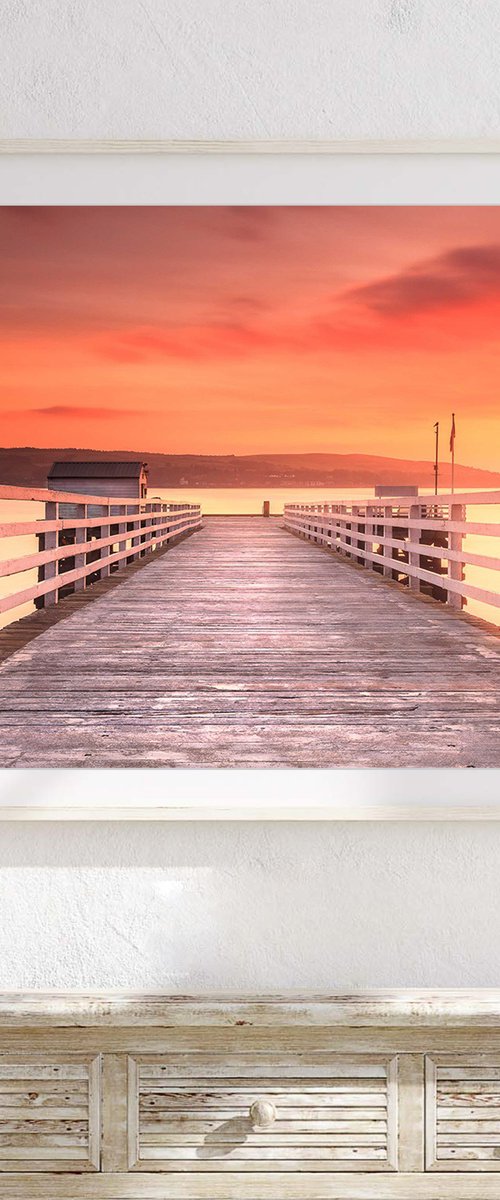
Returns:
(249, 68)
(250, 906)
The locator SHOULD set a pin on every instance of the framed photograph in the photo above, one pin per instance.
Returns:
(249, 481)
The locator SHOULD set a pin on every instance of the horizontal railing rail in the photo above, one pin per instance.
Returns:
(420, 540)
(83, 538)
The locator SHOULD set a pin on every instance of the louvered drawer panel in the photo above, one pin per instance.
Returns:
(49, 1113)
(463, 1112)
(262, 1111)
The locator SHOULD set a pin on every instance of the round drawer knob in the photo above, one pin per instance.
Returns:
(262, 1114)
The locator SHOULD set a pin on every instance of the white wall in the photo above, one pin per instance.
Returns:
(249, 906)
(249, 68)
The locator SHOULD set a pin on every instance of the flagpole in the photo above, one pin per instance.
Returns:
(453, 452)
(436, 459)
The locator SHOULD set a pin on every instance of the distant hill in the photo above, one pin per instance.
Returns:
(28, 466)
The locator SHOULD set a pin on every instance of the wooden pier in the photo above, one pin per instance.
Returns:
(244, 646)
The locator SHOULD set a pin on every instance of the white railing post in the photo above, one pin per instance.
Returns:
(106, 550)
(167, 530)
(142, 525)
(328, 525)
(156, 520)
(354, 530)
(50, 569)
(358, 529)
(337, 531)
(369, 533)
(415, 514)
(387, 570)
(81, 534)
(345, 531)
(136, 525)
(455, 541)
(122, 536)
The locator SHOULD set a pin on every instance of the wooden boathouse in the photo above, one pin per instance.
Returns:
(111, 477)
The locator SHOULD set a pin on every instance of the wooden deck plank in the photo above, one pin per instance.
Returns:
(245, 647)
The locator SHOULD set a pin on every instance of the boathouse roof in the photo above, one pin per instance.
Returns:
(100, 469)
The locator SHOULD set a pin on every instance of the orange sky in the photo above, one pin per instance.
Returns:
(246, 330)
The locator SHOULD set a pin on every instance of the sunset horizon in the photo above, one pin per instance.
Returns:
(252, 331)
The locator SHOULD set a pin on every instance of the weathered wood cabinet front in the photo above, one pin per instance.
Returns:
(255, 1110)
(383, 1096)
(49, 1112)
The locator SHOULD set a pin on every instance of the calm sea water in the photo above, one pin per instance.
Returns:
(246, 501)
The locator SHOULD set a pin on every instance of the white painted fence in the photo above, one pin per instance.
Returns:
(84, 538)
(418, 539)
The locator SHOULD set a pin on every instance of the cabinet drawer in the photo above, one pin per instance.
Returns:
(463, 1112)
(262, 1112)
(49, 1113)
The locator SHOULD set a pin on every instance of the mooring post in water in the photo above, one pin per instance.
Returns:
(266, 508)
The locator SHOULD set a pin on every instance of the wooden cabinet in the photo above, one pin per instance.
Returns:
(384, 1097)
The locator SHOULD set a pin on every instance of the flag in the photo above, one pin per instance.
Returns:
(452, 434)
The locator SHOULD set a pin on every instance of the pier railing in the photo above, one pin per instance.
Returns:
(426, 542)
(81, 539)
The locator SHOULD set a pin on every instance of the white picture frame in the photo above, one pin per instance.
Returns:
(104, 172)
(268, 146)
(249, 795)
